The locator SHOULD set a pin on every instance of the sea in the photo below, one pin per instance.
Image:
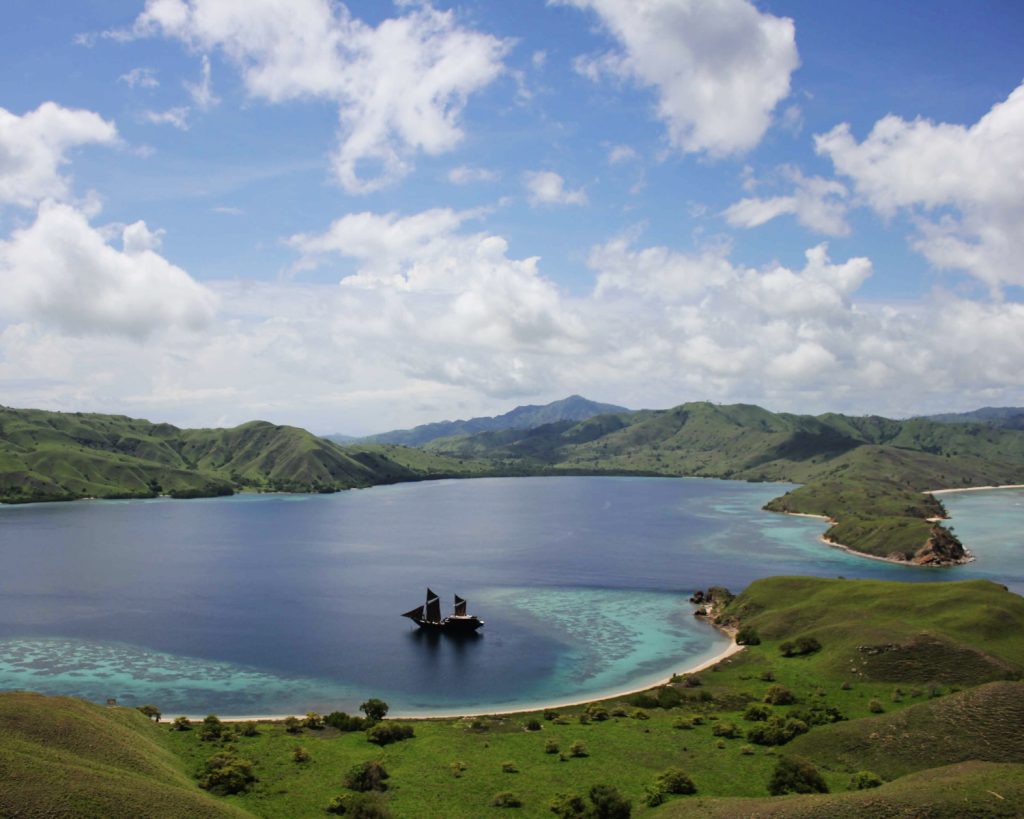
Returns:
(284, 604)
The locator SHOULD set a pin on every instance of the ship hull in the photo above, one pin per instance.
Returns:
(451, 625)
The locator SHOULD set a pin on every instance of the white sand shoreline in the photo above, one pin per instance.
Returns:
(974, 489)
(729, 651)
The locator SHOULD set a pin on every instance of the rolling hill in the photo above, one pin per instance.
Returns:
(60, 456)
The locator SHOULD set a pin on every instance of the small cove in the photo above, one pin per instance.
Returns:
(274, 603)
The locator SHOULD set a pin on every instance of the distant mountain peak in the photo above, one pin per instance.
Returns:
(526, 416)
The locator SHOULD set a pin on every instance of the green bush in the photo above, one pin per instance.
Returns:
(862, 780)
(293, 725)
(367, 776)
(506, 799)
(384, 733)
(779, 695)
(578, 749)
(533, 725)
(249, 729)
(875, 707)
(226, 773)
(777, 730)
(757, 713)
(300, 754)
(795, 775)
(360, 806)
(748, 636)
(551, 747)
(608, 803)
(181, 724)
(676, 781)
(728, 730)
(313, 721)
(343, 722)
(509, 767)
(212, 728)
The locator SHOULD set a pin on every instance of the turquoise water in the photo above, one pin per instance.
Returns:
(281, 604)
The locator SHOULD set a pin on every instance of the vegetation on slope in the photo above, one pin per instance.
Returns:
(60, 456)
(707, 729)
(866, 474)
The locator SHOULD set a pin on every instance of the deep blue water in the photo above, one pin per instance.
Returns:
(276, 603)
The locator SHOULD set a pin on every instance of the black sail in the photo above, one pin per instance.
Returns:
(433, 607)
(460, 606)
(414, 614)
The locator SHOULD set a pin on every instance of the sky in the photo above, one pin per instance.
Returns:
(361, 216)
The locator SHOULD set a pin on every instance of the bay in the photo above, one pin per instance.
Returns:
(268, 604)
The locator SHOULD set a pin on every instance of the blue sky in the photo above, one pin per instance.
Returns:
(361, 216)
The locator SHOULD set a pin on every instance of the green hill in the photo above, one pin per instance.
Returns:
(55, 456)
(865, 473)
(64, 757)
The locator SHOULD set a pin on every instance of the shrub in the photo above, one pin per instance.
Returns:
(509, 767)
(807, 645)
(862, 780)
(360, 806)
(181, 724)
(768, 676)
(683, 724)
(608, 803)
(506, 799)
(725, 729)
(619, 711)
(846, 685)
(568, 806)
(374, 709)
(776, 730)
(249, 729)
(584, 718)
(779, 695)
(640, 714)
(668, 697)
(293, 725)
(300, 754)
(653, 796)
(550, 715)
(875, 707)
(676, 780)
(367, 776)
(211, 729)
(795, 775)
(643, 700)
(533, 725)
(598, 713)
(692, 681)
(757, 713)
(578, 749)
(748, 636)
(747, 750)
(384, 733)
(551, 747)
(343, 722)
(226, 773)
(457, 768)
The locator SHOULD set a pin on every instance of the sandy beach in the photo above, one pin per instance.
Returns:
(729, 651)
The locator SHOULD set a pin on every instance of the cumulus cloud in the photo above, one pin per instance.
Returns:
(400, 87)
(548, 188)
(719, 69)
(817, 203)
(34, 146)
(963, 186)
(62, 272)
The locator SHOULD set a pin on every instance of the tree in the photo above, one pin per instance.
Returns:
(374, 709)
(676, 780)
(314, 721)
(795, 775)
(181, 724)
(226, 773)
(151, 711)
(211, 729)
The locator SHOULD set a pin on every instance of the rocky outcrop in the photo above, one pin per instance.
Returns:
(942, 548)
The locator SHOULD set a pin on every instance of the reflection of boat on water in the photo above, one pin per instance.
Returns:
(428, 616)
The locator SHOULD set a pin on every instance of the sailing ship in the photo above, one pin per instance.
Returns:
(428, 616)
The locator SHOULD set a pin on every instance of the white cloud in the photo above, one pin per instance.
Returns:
(140, 78)
(621, 153)
(202, 91)
(464, 175)
(178, 117)
(818, 203)
(548, 188)
(719, 68)
(964, 186)
(62, 272)
(400, 87)
(35, 145)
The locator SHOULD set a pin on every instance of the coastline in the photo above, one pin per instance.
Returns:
(973, 489)
(728, 651)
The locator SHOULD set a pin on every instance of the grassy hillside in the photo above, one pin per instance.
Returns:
(52, 456)
(865, 473)
(65, 757)
(115, 761)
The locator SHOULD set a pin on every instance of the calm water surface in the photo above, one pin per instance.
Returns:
(273, 604)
